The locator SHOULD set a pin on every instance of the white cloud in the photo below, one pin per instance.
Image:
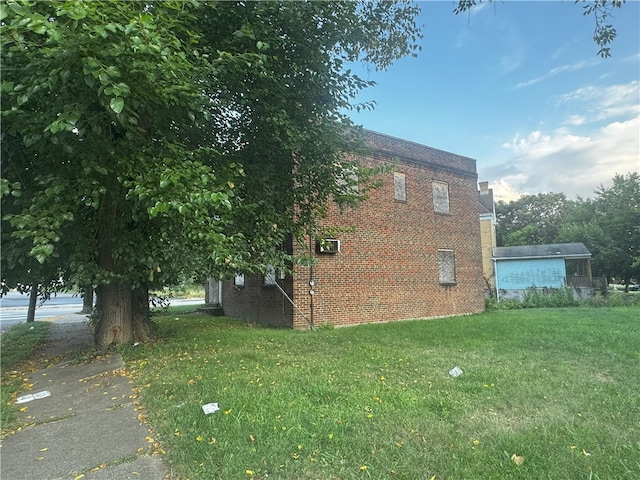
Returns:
(597, 136)
(605, 102)
(576, 120)
(557, 70)
(563, 162)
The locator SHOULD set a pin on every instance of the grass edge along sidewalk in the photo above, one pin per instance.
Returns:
(545, 393)
(17, 346)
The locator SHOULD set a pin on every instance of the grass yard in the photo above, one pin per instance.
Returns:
(16, 345)
(545, 394)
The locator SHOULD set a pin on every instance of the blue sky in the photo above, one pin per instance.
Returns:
(518, 87)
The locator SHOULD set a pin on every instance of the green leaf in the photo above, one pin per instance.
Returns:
(92, 62)
(19, 9)
(104, 78)
(117, 104)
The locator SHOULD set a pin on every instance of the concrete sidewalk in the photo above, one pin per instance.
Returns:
(88, 426)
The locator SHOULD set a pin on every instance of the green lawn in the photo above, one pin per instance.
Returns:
(557, 388)
(16, 345)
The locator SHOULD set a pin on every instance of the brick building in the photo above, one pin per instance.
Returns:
(415, 251)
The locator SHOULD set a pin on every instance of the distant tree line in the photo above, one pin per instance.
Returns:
(608, 225)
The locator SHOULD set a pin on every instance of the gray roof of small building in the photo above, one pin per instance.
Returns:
(554, 250)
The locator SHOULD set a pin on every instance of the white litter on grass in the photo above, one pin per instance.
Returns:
(33, 396)
(210, 408)
(136, 344)
(455, 372)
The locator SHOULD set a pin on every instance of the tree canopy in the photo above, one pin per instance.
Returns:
(610, 227)
(531, 219)
(144, 140)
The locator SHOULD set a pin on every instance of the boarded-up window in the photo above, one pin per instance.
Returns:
(446, 267)
(441, 197)
(400, 186)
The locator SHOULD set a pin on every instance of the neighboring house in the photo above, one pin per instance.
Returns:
(542, 266)
(487, 209)
(415, 251)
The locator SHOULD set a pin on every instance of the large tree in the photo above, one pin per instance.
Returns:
(142, 140)
(609, 225)
(531, 219)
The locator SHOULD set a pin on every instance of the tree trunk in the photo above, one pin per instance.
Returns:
(142, 327)
(123, 311)
(33, 298)
(116, 317)
(124, 315)
(87, 300)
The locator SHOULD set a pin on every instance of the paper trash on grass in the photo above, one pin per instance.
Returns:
(210, 408)
(455, 372)
(33, 396)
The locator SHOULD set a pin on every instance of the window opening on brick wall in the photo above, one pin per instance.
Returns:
(441, 197)
(446, 267)
(399, 187)
(270, 276)
(273, 275)
(347, 181)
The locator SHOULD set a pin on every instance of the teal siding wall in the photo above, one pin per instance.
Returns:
(522, 274)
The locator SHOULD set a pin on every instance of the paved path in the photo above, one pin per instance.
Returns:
(89, 424)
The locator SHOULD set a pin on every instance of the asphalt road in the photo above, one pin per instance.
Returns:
(14, 306)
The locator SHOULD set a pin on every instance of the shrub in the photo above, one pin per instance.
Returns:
(562, 297)
(549, 297)
(536, 298)
(612, 299)
(493, 303)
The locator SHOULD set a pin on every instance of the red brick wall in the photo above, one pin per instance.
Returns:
(255, 302)
(387, 268)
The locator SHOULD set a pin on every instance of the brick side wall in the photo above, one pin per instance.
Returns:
(386, 146)
(258, 303)
(387, 269)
